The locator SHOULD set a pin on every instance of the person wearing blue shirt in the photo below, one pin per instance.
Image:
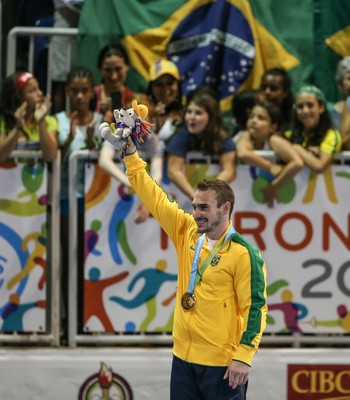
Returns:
(204, 131)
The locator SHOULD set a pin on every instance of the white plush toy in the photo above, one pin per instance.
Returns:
(129, 125)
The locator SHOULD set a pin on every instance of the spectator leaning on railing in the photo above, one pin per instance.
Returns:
(312, 134)
(204, 132)
(261, 134)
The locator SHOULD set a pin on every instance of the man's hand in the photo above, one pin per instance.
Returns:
(116, 138)
(237, 374)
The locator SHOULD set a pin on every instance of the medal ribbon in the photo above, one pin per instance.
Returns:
(196, 274)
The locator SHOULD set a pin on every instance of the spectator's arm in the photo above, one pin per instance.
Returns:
(246, 154)
(157, 169)
(176, 166)
(106, 162)
(8, 142)
(293, 162)
(318, 163)
(228, 167)
(48, 140)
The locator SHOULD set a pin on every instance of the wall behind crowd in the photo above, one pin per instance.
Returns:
(306, 37)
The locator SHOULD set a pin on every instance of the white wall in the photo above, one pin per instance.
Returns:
(52, 374)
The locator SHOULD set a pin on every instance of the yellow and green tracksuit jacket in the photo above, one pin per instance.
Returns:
(229, 316)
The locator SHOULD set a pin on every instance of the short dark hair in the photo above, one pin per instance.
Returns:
(223, 191)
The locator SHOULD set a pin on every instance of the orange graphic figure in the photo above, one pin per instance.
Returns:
(93, 299)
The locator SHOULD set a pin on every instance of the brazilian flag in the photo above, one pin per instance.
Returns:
(332, 42)
(316, 32)
(227, 44)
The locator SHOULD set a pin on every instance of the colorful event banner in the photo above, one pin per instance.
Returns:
(23, 257)
(131, 269)
(227, 44)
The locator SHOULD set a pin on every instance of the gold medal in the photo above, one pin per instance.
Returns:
(188, 301)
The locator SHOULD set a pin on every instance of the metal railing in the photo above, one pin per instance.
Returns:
(31, 33)
(52, 335)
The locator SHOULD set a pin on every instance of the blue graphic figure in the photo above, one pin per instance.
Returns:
(13, 321)
(8, 269)
(120, 212)
(153, 280)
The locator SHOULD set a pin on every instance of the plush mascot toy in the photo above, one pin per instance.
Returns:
(129, 124)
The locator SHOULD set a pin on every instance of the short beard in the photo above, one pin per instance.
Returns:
(215, 224)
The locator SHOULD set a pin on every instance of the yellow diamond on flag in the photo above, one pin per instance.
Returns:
(340, 42)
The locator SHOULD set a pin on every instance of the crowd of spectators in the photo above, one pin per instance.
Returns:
(302, 130)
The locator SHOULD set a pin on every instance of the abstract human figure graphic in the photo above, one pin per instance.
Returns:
(343, 320)
(93, 296)
(292, 312)
(38, 253)
(153, 279)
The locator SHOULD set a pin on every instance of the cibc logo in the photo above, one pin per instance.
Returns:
(318, 382)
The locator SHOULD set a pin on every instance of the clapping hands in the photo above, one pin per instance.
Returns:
(42, 109)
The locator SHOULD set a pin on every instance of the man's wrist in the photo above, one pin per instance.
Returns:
(130, 149)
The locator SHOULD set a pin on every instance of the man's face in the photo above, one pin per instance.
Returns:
(208, 216)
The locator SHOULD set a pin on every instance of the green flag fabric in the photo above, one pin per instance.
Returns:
(227, 44)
